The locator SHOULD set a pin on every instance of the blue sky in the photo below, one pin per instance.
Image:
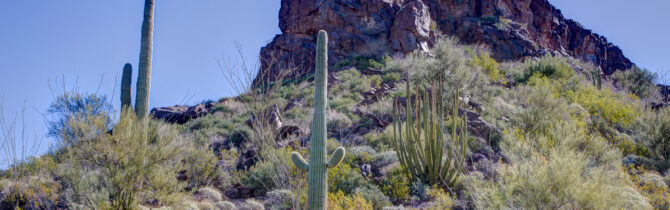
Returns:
(86, 43)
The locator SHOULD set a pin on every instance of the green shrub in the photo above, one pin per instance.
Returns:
(610, 106)
(379, 141)
(391, 77)
(440, 199)
(361, 154)
(396, 186)
(200, 166)
(224, 205)
(77, 106)
(653, 129)
(339, 201)
(490, 67)
(548, 66)
(274, 171)
(279, 199)
(375, 81)
(208, 194)
(33, 192)
(240, 135)
(637, 81)
(251, 204)
(342, 104)
(134, 163)
(338, 122)
(345, 179)
(373, 195)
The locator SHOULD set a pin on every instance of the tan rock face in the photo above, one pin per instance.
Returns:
(512, 28)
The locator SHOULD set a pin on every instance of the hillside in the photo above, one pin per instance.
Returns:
(454, 125)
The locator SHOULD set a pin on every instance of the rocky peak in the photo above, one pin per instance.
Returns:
(513, 29)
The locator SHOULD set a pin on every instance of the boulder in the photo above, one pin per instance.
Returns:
(179, 114)
(239, 192)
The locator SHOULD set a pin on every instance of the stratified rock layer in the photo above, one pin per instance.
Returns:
(513, 29)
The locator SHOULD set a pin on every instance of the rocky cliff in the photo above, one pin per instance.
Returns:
(513, 29)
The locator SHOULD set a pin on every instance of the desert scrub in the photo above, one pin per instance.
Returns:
(275, 172)
(396, 185)
(640, 82)
(439, 199)
(134, 163)
(251, 204)
(351, 80)
(279, 199)
(653, 130)
(339, 201)
(200, 166)
(562, 180)
(490, 67)
(614, 108)
(345, 179)
(373, 195)
(565, 167)
(548, 66)
(31, 192)
(80, 106)
(651, 186)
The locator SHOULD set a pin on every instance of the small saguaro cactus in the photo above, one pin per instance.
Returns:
(126, 89)
(597, 79)
(317, 166)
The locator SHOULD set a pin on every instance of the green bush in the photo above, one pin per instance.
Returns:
(373, 195)
(251, 204)
(274, 171)
(637, 81)
(548, 66)
(135, 162)
(200, 166)
(391, 77)
(653, 129)
(279, 199)
(490, 67)
(345, 179)
(610, 106)
(340, 201)
(396, 186)
(224, 205)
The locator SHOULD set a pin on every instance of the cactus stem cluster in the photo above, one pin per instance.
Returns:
(144, 68)
(422, 147)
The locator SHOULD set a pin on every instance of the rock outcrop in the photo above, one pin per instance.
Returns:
(513, 29)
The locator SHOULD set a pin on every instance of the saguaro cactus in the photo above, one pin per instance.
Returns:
(126, 89)
(597, 79)
(144, 67)
(317, 166)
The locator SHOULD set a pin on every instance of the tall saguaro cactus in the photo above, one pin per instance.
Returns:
(317, 166)
(144, 67)
(126, 89)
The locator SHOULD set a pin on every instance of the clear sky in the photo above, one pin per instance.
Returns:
(87, 43)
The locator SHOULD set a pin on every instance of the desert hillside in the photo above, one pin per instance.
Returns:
(384, 104)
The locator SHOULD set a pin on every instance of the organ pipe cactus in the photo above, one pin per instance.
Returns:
(126, 89)
(317, 166)
(144, 67)
(421, 145)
